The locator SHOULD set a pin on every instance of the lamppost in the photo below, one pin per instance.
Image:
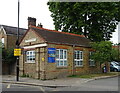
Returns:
(17, 46)
(118, 51)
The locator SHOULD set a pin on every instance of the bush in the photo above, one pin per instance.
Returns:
(8, 55)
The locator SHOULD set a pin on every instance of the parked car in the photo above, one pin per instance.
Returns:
(115, 66)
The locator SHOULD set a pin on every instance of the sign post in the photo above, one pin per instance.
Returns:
(17, 46)
(17, 52)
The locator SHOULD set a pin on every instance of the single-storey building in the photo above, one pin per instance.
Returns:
(49, 54)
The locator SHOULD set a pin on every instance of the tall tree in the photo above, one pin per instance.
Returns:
(96, 20)
(104, 52)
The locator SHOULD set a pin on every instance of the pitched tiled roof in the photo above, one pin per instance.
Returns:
(13, 30)
(52, 36)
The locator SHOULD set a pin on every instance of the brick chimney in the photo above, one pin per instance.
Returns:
(31, 21)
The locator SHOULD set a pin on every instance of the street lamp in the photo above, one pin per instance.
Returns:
(118, 51)
(17, 46)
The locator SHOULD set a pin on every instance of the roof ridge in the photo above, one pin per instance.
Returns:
(58, 31)
(13, 26)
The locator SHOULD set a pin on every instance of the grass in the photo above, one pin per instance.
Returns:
(94, 75)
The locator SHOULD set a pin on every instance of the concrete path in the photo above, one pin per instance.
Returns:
(48, 83)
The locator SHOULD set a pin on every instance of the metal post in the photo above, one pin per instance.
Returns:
(17, 45)
(118, 51)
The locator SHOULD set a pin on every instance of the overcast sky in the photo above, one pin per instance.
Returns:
(29, 8)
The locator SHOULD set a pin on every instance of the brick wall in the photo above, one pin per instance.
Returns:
(52, 71)
(43, 70)
(35, 70)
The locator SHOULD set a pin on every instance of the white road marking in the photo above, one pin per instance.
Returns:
(8, 86)
(55, 90)
(42, 90)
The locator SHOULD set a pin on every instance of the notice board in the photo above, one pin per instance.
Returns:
(51, 55)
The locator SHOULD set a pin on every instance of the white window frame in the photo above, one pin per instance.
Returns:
(3, 42)
(91, 61)
(30, 56)
(78, 61)
(61, 60)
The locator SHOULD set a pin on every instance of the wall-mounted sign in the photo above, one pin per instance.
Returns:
(17, 52)
(30, 40)
(51, 55)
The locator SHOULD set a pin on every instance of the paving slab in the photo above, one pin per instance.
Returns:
(62, 82)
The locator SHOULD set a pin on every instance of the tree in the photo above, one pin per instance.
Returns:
(8, 55)
(96, 20)
(104, 52)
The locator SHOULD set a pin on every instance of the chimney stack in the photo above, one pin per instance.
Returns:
(40, 25)
(31, 21)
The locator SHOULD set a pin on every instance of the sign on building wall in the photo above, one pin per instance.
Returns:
(17, 52)
(51, 55)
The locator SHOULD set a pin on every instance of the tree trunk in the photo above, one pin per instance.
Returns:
(107, 67)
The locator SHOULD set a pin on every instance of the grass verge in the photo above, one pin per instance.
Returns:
(94, 75)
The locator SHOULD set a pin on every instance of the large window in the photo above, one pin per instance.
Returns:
(91, 62)
(30, 56)
(78, 58)
(61, 57)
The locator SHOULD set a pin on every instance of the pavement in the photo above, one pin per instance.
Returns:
(62, 82)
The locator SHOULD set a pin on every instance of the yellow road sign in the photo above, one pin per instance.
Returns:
(17, 52)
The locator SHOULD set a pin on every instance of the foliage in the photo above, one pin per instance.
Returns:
(96, 20)
(104, 52)
(115, 55)
(8, 55)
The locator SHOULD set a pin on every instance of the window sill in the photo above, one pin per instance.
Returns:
(92, 66)
(79, 66)
(30, 62)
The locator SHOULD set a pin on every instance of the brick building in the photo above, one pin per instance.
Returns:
(49, 54)
(8, 36)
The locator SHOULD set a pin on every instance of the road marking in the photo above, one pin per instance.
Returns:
(55, 90)
(42, 90)
(8, 86)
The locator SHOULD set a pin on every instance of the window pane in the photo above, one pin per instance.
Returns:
(61, 63)
(81, 55)
(80, 62)
(78, 55)
(61, 54)
(65, 63)
(57, 62)
(65, 54)
(57, 53)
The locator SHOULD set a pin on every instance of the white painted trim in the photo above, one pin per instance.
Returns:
(30, 40)
(2, 29)
(35, 46)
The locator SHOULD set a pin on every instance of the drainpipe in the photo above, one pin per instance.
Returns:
(45, 60)
(73, 67)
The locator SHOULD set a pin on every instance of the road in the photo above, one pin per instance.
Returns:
(109, 84)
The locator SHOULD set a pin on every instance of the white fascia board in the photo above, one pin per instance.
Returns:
(2, 29)
(35, 46)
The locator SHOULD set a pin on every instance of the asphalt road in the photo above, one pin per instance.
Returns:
(109, 84)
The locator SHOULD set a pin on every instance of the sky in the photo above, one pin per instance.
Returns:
(30, 8)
